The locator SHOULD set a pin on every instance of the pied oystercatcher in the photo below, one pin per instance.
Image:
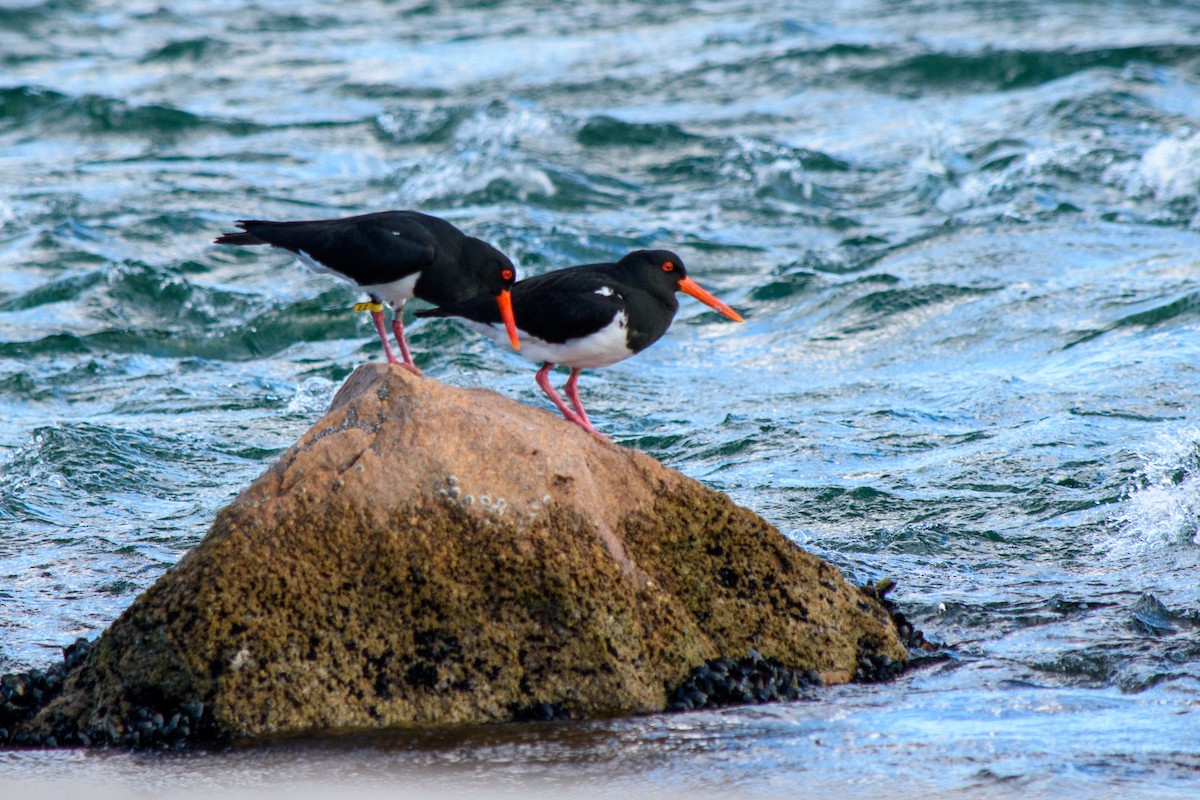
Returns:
(588, 316)
(394, 256)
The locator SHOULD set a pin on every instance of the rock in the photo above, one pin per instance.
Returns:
(427, 555)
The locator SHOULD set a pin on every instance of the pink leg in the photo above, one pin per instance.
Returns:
(579, 419)
(543, 381)
(377, 318)
(398, 330)
(573, 395)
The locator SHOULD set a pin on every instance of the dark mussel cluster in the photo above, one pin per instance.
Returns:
(913, 639)
(149, 729)
(729, 682)
(879, 667)
(23, 694)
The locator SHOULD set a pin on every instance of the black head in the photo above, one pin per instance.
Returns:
(659, 271)
(494, 270)
(497, 274)
(662, 272)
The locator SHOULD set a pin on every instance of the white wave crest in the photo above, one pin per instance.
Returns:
(312, 396)
(1171, 169)
(452, 178)
(488, 152)
(1162, 505)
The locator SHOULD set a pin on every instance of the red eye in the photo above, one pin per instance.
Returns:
(668, 266)
(507, 274)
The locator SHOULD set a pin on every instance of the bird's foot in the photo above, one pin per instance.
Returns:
(408, 366)
(586, 424)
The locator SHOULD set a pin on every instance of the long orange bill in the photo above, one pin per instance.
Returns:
(689, 286)
(504, 300)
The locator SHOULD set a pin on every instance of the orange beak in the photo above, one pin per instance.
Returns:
(689, 286)
(504, 300)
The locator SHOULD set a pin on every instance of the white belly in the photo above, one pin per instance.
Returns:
(606, 346)
(394, 293)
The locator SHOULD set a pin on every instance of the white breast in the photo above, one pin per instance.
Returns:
(604, 347)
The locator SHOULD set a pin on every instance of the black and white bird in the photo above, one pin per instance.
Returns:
(588, 316)
(394, 256)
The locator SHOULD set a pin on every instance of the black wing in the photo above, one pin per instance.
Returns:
(555, 307)
(369, 249)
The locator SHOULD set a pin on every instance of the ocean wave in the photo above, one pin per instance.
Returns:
(21, 20)
(88, 459)
(418, 124)
(470, 180)
(198, 50)
(1163, 312)
(59, 290)
(877, 309)
(1004, 69)
(487, 153)
(605, 131)
(491, 125)
(37, 111)
(134, 308)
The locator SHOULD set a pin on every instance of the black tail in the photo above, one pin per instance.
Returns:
(238, 238)
(242, 237)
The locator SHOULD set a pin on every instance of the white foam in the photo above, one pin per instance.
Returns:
(487, 150)
(313, 396)
(1161, 509)
(468, 174)
(1171, 169)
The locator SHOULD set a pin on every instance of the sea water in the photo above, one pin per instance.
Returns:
(963, 236)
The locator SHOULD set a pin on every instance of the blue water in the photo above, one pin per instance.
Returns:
(964, 237)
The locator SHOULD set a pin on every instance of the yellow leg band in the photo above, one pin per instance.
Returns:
(372, 307)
